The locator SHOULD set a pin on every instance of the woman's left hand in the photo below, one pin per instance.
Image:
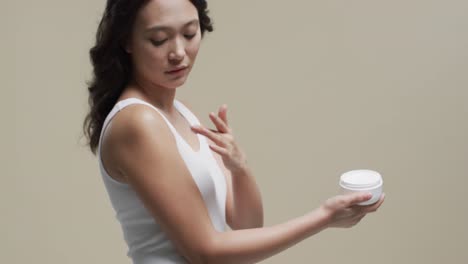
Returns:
(234, 159)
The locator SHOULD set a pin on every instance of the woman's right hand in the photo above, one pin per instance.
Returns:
(343, 210)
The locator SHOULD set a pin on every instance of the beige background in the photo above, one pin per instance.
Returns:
(314, 88)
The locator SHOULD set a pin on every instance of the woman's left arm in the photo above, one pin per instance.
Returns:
(248, 208)
(244, 206)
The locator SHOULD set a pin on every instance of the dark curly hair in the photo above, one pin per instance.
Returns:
(112, 64)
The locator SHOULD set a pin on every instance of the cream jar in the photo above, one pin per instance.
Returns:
(362, 181)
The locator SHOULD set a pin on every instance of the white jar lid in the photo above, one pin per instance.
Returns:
(357, 179)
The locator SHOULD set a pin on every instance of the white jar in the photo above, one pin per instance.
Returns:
(362, 181)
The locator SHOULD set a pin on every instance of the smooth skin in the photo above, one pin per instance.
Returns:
(138, 148)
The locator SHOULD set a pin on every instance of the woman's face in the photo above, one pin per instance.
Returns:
(164, 42)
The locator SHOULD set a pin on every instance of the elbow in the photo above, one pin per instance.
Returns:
(201, 257)
(211, 254)
(208, 253)
(206, 258)
(201, 254)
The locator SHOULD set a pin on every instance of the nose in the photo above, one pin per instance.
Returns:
(177, 52)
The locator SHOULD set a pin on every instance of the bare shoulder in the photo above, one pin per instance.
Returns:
(132, 124)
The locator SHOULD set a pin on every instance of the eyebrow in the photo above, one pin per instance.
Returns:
(157, 28)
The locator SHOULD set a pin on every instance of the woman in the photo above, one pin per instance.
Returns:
(173, 183)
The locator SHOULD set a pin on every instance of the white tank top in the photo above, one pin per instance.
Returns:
(147, 244)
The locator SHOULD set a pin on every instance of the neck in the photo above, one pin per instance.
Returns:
(160, 97)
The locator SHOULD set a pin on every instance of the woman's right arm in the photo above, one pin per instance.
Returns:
(254, 245)
(145, 150)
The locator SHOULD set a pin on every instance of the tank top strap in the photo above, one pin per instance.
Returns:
(191, 118)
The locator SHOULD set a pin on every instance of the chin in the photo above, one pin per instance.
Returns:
(173, 84)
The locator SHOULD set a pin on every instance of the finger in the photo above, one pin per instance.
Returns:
(375, 206)
(221, 151)
(222, 113)
(214, 136)
(219, 123)
(356, 198)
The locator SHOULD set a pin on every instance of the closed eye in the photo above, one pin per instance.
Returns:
(157, 42)
(160, 42)
(190, 36)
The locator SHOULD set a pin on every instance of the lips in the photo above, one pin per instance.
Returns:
(176, 70)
